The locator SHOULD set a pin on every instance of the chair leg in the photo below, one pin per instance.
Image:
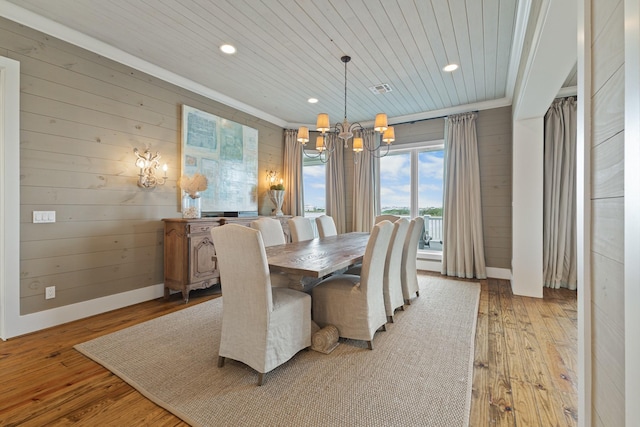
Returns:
(220, 361)
(370, 345)
(407, 301)
(417, 294)
(401, 307)
(383, 328)
(390, 319)
(260, 378)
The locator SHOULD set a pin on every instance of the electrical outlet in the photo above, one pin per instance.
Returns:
(49, 292)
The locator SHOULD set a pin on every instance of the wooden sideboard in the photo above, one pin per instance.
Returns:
(189, 254)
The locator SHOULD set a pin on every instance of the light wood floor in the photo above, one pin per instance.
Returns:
(524, 373)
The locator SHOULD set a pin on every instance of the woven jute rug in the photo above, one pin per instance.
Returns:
(419, 373)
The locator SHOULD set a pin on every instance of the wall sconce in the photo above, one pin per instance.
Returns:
(271, 177)
(148, 163)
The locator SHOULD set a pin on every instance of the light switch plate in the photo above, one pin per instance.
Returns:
(44, 216)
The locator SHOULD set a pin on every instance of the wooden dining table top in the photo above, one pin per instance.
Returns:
(318, 257)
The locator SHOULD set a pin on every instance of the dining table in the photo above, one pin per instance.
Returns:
(306, 263)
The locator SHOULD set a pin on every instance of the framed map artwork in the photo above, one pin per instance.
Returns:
(226, 153)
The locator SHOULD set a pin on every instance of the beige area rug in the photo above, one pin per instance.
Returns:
(419, 373)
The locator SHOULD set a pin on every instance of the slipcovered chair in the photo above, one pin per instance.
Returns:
(272, 234)
(392, 218)
(326, 226)
(409, 273)
(301, 229)
(392, 280)
(262, 326)
(271, 230)
(355, 304)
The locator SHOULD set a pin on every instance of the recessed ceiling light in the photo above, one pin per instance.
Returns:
(227, 48)
(312, 100)
(450, 67)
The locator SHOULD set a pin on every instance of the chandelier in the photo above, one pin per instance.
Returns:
(345, 131)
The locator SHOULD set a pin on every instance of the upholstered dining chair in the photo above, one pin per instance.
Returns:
(300, 228)
(271, 230)
(392, 218)
(409, 273)
(392, 279)
(355, 304)
(326, 226)
(272, 234)
(262, 326)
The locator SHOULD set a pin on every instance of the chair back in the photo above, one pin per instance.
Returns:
(391, 218)
(271, 231)
(373, 263)
(326, 226)
(393, 262)
(244, 272)
(409, 253)
(300, 228)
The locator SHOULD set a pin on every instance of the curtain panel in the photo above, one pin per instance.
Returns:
(335, 184)
(559, 221)
(364, 186)
(463, 248)
(294, 196)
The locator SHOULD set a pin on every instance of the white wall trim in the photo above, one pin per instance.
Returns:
(9, 195)
(57, 316)
(519, 33)
(527, 218)
(499, 273)
(583, 211)
(476, 106)
(47, 26)
(632, 210)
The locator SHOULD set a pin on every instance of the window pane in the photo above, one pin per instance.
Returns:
(430, 189)
(314, 189)
(395, 184)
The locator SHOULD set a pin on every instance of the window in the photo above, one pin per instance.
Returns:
(411, 184)
(313, 178)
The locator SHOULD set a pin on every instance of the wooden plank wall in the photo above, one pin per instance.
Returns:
(81, 116)
(607, 210)
(494, 150)
(494, 129)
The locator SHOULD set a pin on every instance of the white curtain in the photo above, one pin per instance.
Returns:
(559, 223)
(294, 197)
(463, 242)
(364, 186)
(335, 193)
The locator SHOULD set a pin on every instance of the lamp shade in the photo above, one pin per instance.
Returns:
(389, 135)
(322, 124)
(320, 144)
(303, 134)
(357, 144)
(380, 123)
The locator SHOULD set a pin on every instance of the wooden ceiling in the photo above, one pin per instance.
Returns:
(289, 50)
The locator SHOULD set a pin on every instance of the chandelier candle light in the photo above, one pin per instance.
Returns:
(346, 131)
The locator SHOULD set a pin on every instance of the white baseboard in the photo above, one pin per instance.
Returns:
(45, 319)
(499, 273)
